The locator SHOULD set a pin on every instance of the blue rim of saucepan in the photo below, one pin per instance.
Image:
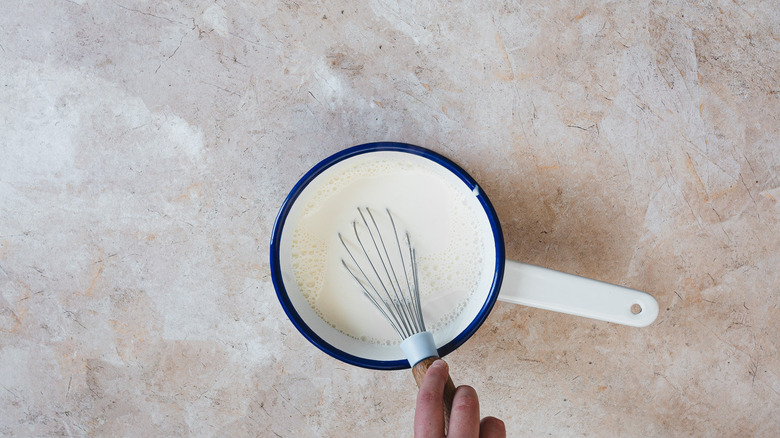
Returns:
(276, 273)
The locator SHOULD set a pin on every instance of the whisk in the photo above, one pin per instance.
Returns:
(386, 270)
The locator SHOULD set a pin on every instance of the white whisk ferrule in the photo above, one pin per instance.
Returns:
(418, 347)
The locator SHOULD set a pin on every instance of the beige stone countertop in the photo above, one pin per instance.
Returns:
(146, 147)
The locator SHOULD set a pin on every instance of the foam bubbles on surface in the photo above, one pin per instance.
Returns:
(308, 255)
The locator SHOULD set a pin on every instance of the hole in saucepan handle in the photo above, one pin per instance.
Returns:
(636, 309)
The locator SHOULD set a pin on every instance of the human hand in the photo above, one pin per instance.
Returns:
(464, 418)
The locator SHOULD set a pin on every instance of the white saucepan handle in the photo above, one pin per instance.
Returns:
(547, 289)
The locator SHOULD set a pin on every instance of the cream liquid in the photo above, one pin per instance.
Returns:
(437, 209)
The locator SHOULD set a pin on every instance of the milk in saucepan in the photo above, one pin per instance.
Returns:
(440, 212)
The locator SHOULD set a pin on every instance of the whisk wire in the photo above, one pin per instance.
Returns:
(398, 304)
(408, 301)
(415, 311)
(412, 314)
(368, 295)
(391, 309)
(416, 298)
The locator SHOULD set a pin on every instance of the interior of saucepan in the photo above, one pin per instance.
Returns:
(352, 349)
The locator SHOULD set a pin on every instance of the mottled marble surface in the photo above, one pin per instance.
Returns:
(145, 148)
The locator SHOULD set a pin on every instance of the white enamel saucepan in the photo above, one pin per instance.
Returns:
(501, 279)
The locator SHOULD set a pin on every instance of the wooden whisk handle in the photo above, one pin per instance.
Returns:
(419, 371)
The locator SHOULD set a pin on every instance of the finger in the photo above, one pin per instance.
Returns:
(429, 412)
(464, 419)
(492, 427)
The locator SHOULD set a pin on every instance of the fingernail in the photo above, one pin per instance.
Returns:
(438, 363)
